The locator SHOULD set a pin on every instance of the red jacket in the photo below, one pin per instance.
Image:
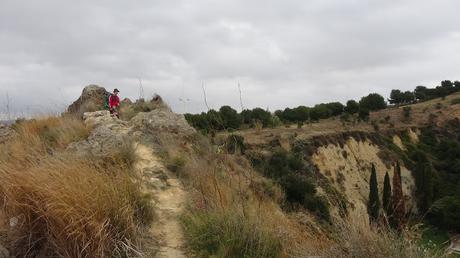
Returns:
(114, 101)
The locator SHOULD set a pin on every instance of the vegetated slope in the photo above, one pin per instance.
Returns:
(342, 151)
(106, 177)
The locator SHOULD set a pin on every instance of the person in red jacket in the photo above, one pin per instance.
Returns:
(114, 102)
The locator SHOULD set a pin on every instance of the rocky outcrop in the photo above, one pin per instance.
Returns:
(110, 134)
(91, 99)
(348, 168)
(162, 120)
(5, 132)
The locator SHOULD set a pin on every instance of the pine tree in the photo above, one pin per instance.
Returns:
(386, 199)
(373, 206)
(397, 200)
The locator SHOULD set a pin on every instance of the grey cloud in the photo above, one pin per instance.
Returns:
(283, 53)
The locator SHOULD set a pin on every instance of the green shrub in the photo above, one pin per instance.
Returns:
(445, 212)
(406, 112)
(235, 143)
(218, 233)
(296, 187)
(319, 205)
(363, 114)
(289, 170)
(455, 101)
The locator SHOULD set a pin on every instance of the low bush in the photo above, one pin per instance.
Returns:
(455, 101)
(289, 171)
(406, 112)
(235, 144)
(228, 233)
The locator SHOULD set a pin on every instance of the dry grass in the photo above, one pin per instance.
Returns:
(38, 138)
(229, 233)
(231, 210)
(64, 206)
(130, 110)
(355, 238)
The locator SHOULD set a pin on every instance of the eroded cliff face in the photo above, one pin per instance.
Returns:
(348, 166)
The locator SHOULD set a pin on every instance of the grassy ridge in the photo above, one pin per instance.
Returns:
(64, 206)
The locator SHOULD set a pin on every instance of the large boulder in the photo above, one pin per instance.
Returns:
(161, 120)
(109, 134)
(92, 99)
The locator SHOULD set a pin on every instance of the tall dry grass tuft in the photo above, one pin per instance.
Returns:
(38, 138)
(63, 206)
(356, 238)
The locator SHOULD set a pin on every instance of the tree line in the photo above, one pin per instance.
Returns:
(227, 118)
(422, 93)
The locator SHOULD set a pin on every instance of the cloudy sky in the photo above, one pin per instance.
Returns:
(282, 52)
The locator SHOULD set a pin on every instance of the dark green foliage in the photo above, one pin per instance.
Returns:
(230, 118)
(395, 97)
(215, 120)
(229, 234)
(423, 93)
(235, 144)
(319, 205)
(372, 102)
(246, 116)
(406, 112)
(399, 97)
(345, 117)
(363, 114)
(445, 213)
(294, 115)
(335, 108)
(386, 195)
(262, 116)
(455, 101)
(352, 107)
(373, 206)
(326, 110)
(436, 169)
(296, 187)
(289, 171)
(397, 218)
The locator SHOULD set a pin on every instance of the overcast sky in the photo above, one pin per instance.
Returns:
(283, 53)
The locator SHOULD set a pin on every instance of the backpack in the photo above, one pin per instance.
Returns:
(107, 100)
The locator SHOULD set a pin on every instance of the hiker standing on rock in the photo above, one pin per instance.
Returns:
(114, 103)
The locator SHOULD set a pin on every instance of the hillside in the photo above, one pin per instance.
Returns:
(150, 185)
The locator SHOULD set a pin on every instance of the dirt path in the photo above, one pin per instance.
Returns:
(169, 198)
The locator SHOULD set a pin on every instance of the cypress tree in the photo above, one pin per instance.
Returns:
(427, 187)
(397, 200)
(386, 199)
(373, 205)
(423, 181)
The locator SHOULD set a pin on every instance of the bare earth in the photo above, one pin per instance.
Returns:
(169, 197)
